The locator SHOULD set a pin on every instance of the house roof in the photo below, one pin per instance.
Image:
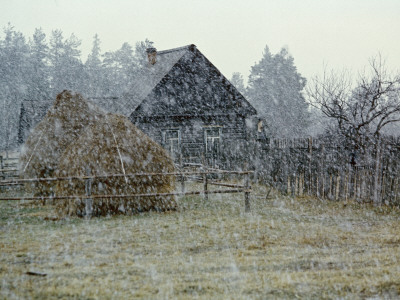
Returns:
(185, 77)
(151, 75)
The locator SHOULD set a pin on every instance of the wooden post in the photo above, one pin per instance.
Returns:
(205, 184)
(247, 190)
(355, 183)
(88, 200)
(310, 145)
(346, 184)
(3, 177)
(383, 188)
(377, 188)
(301, 185)
(322, 169)
(182, 177)
(337, 187)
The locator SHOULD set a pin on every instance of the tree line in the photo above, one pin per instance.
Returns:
(40, 67)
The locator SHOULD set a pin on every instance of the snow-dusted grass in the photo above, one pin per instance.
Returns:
(284, 248)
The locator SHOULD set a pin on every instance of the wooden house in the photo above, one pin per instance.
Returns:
(189, 107)
(183, 102)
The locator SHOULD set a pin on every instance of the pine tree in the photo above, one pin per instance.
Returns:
(39, 81)
(13, 83)
(275, 89)
(95, 82)
(238, 82)
(120, 68)
(67, 70)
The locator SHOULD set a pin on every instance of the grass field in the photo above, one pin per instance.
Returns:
(284, 248)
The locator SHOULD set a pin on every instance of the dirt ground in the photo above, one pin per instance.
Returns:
(283, 248)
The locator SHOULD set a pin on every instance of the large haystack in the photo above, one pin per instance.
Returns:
(63, 124)
(113, 145)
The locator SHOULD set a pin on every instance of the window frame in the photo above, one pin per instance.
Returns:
(166, 142)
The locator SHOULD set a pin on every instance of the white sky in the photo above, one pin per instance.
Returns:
(231, 33)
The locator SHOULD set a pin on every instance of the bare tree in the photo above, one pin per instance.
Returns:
(361, 111)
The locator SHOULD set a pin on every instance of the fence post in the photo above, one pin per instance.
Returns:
(3, 177)
(182, 177)
(205, 184)
(247, 190)
(310, 155)
(88, 200)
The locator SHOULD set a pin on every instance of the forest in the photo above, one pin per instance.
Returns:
(40, 67)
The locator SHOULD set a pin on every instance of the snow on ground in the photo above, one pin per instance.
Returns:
(284, 248)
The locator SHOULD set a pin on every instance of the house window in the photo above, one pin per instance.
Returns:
(172, 141)
(212, 139)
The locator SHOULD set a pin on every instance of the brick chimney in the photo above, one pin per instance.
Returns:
(152, 55)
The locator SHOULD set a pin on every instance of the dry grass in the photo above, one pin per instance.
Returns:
(284, 248)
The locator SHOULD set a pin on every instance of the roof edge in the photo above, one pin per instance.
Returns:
(190, 47)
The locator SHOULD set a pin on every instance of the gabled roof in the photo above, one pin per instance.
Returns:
(151, 75)
(185, 77)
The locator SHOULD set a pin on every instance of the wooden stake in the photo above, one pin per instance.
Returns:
(337, 187)
(247, 193)
(88, 200)
(182, 177)
(205, 184)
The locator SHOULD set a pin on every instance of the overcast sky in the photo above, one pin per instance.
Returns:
(232, 34)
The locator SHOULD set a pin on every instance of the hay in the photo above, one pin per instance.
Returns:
(63, 124)
(113, 145)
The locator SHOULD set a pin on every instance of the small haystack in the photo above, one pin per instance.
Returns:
(63, 124)
(113, 145)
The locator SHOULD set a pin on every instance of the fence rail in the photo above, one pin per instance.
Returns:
(181, 176)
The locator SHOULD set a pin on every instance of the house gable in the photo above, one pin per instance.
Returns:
(193, 87)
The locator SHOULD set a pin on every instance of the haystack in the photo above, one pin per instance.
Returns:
(113, 145)
(63, 124)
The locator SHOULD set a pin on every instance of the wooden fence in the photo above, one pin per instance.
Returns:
(182, 177)
(8, 168)
(311, 167)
